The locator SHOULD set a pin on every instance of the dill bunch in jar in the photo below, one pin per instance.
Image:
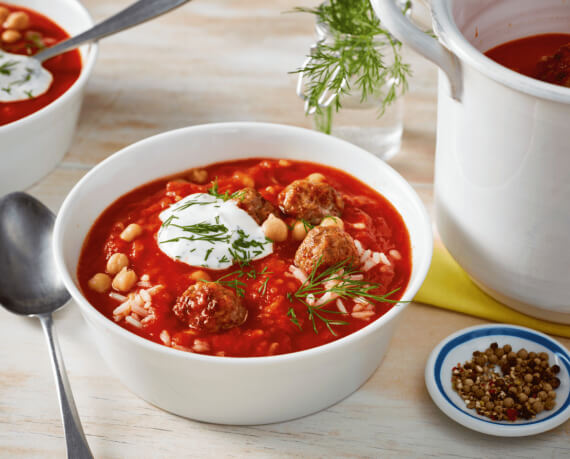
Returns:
(354, 76)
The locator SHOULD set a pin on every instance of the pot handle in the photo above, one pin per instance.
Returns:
(399, 26)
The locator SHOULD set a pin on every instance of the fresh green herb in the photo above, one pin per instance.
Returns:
(263, 288)
(344, 287)
(202, 231)
(168, 221)
(189, 204)
(29, 94)
(7, 90)
(25, 79)
(293, 318)
(236, 284)
(308, 227)
(224, 259)
(7, 67)
(244, 248)
(35, 42)
(226, 195)
(354, 57)
(208, 252)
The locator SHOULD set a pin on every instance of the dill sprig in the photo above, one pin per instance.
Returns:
(226, 195)
(7, 67)
(340, 282)
(353, 59)
(238, 285)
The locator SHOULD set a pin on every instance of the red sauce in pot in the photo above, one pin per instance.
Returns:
(545, 57)
(65, 68)
(269, 329)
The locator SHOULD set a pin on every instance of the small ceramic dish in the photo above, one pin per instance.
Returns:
(459, 347)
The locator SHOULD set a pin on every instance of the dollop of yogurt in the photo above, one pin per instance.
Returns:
(203, 230)
(22, 78)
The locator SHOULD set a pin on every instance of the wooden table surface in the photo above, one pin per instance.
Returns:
(224, 60)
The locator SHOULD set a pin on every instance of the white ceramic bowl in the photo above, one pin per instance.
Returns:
(236, 390)
(32, 146)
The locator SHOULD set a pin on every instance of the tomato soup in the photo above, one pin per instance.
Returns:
(247, 258)
(544, 57)
(28, 32)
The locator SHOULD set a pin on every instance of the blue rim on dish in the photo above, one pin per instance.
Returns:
(433, 375)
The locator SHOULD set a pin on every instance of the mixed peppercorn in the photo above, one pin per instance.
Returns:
(525, 387)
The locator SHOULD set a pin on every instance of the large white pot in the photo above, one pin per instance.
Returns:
(502, 178)
(236, 390)
(32, 146)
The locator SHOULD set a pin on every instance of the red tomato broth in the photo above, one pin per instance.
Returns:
(524, 54)
(65, 68)
(267, 321)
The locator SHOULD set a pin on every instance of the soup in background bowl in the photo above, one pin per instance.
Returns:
(234, 390)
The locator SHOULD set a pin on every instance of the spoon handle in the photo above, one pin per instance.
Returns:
(77, 446)
(137, 13)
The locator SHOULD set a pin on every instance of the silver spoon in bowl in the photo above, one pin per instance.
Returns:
(25, 77)
(30, 286)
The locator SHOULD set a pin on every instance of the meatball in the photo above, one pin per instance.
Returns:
(555, 69)
(210, 307)
(250, 200)
(330, 245)
(311, 201)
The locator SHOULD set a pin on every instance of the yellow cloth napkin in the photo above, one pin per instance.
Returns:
(448, 286)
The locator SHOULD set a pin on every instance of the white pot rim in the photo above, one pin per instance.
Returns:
(86, 69)
(93, 314)
(450, 35)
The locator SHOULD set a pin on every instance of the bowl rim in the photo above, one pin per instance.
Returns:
(87, 65)
(63, 220)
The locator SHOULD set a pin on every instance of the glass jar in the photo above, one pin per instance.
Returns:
(362, 122)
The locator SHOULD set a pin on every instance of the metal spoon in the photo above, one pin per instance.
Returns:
(29, 285)
(133, 15)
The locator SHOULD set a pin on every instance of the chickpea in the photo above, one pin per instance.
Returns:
(124, 280)
(18, 20)
(333, 221)
(200, 276)
(300, 230)
(11, 36)
(275, 228)
(284, 163)
(116, 262)
(316, 177)
(4, 13)
(246, 179)
(131, 232)
(198, 176)
(100, 282)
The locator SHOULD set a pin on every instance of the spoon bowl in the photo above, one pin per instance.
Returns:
(29, 285)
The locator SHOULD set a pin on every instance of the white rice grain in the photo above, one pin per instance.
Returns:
(141, 311)
(118, 296)
(145, 277)
(341, 307)
(384, 259)
(165, 337)
(396, 255)
(123, 309)
(358, 246)
(200, 346)
(145, 296)
(364, 315)
(134, 322)
(144, 284)
(298, 274)
(328, 296)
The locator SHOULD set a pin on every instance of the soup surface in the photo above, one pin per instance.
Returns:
(544, 57)
(247, 258)
(27, 35)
